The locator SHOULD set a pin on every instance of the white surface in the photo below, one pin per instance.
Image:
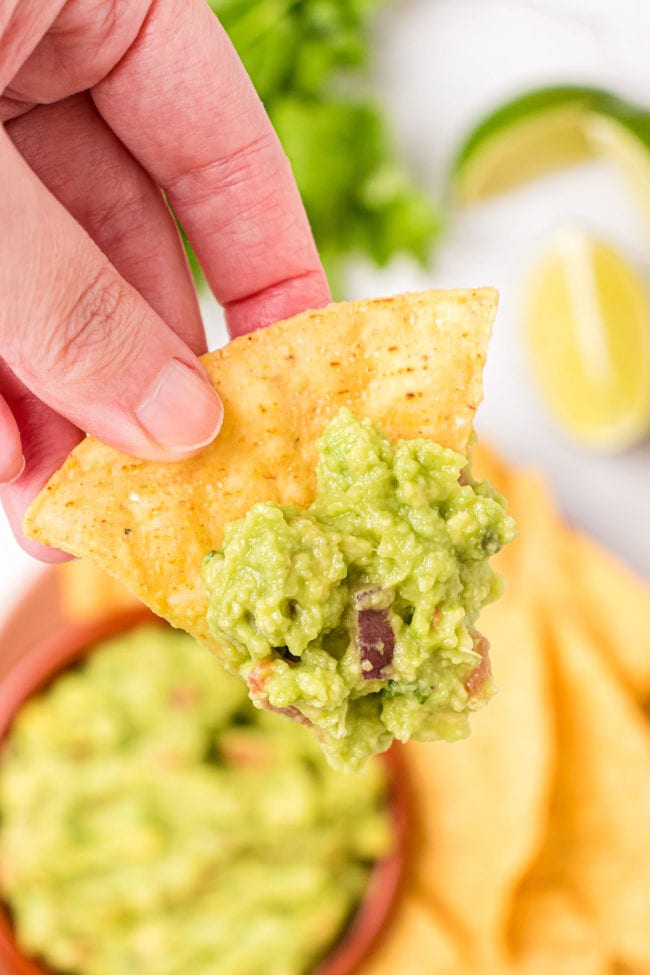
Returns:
(441, 64)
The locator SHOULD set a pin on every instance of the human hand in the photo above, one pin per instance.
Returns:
(107, 104)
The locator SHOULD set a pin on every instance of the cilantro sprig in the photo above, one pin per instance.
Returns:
(306, 60)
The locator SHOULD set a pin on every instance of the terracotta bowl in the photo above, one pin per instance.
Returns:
(46, 659)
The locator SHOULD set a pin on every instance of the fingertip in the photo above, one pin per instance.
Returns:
(15, 502)
(12, 469)
(52, 556)
(47, 440)
(12, 460)
(181, 412)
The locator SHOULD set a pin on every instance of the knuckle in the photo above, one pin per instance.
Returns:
(244, 164)
(228, 172)
(90, 328)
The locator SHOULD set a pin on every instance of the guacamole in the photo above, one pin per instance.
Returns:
(357, 615)
(153, 822)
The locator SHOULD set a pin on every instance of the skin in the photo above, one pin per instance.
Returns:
(106, 105)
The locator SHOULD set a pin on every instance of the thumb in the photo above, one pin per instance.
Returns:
(86, 342)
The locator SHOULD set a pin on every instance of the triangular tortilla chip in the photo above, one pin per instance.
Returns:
(551, 932)
(86, 592)
(538, 542)
(412, 364)
(488, 465)
(524, 562)
(414, 942)
(598, 841)
(480, 807)
(615, 605)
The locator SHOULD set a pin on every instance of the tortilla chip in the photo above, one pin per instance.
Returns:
(615, 605)
(488, 465)
(415, 942)
(552, 933)
(480, 807)
(598, 842)
(535, 560)
(86, 592)
(523, 562)
(411, 364)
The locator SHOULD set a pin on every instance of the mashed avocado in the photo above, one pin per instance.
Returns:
(154, 822)
(356, 616)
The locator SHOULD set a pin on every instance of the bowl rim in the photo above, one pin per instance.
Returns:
(74, 640)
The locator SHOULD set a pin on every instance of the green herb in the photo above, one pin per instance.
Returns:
(395, 689)
(359, 197)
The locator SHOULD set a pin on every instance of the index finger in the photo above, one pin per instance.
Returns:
(181, 100)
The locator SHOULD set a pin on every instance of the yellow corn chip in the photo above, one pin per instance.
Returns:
(411, 364)
(534, 562)
(525, 561)
(553, 935)
(87, 592)
(488, 465)
(615, 606)
(598, 841)
(414, 943)
(480, 807)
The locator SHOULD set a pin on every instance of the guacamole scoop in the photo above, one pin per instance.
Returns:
(357, 615)
(153, 822)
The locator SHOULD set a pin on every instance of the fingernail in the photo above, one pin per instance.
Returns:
(181, 411)
(19, 472)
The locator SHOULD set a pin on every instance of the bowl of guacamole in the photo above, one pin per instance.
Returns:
(152, 820)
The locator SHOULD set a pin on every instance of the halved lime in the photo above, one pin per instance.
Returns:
(524, 138)
(588, 331)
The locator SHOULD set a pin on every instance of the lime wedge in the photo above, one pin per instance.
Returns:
(623, 135)
(588, 332)
(538, 132)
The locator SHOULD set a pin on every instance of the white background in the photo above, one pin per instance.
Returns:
(439, 65)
